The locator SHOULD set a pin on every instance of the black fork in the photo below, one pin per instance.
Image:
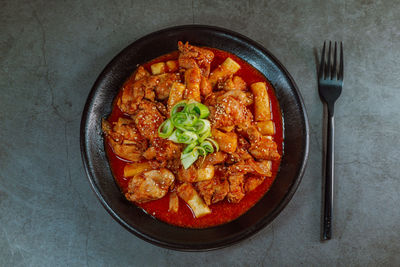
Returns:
(330, 83)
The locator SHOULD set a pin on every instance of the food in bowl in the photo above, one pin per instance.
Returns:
(195, 137)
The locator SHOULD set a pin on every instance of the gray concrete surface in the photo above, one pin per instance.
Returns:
(50, 55)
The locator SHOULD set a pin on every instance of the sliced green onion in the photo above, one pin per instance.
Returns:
(180, 105)
(207, 146)
(189, 158)
(174, 136)
(204, 136)
(198, 109)
(201, 151)
(188, 137)
(192, 119)
(202, 126)
(214, 143)
(183, 137)
(166, 129)
(183, 121)
(189, 147)
(187, 125)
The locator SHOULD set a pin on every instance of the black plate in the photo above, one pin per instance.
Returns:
(99, 104)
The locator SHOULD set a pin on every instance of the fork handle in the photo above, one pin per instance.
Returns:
(329, 178)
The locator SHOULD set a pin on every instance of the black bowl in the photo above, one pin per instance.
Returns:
(99, 104)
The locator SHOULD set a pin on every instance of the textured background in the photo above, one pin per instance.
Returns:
(50, 55)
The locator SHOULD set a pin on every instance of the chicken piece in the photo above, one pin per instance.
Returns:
(162, 108)
(187, 175)
(206, 190)
(234, 83)
(171, 164)
(252, 182)
(150, 185)
(148, 119)
(246, 98)
(241, 167)
(192, 56)
(130, 152)
(227, 141)
(262, 147)
(211, 99)
(229, 111)
(241, 152)
(192, 82)
(243, 147)
(165, 83)
(220, 191)
(222, 186)
(175, 94)
(205, 87)
(125, 139)
(173, 202)
(215, 158)
(227, 129)
(140, 73)
(263, 167)
(236, 191)
(120, 130)
(258, 171)
(134, 91)
(190, 196)
(265, 149)
(251, 133)
(162, 149)
(213, 191)
(194, 174)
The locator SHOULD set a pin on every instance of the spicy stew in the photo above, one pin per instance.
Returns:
(245, 122)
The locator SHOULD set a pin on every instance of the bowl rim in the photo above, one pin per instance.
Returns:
(256, 227)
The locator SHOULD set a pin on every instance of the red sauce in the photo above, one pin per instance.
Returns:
(223, 211)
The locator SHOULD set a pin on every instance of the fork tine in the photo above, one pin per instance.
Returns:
(340, 77)
(334, 68)
(328, 64)
(321, 65)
